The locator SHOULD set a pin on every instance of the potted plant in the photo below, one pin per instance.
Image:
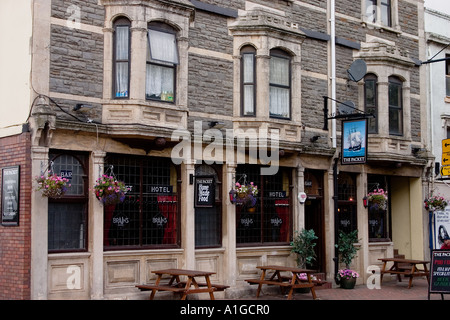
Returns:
(52, 185)
(435, 203)
(347, 251)
(303, 245)
(245, 194)
(109, 190)
(378, 199)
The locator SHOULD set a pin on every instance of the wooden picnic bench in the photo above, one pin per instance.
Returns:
(190, 286)
(407, 267)
(293, 282)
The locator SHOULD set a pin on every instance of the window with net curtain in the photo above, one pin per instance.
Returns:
(280, 84)
(371, 101)
(395, 106)
(121, 58)
(162, 59)
(379, 11)
(248, 81)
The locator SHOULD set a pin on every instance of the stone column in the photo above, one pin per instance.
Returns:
(188, 215)
(299, 208)
(39, 228)
(96, 218)
(363, 223)
(229, 223)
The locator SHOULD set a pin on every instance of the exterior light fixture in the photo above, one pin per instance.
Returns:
(365, 202)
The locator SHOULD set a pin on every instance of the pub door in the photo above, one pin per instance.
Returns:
(314, 220)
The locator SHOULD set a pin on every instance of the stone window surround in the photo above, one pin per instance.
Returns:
(139, 17)
(395, 25)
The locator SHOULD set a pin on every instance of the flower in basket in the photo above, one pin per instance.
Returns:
(246, 194)
(378, 199)
(110, 191)
(347, 274)
(435, 203)
(52, 185)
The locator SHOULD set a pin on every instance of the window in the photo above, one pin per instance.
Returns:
(121, 58)
(447, 75)
(162, 58)
(379, 218)
(248, 81)
(67, 216)
(395, 106)
(280, 84)
(347, 202)
(271, 221)
(371, 101)
(208, 220)
(379, 11)
(149, 216)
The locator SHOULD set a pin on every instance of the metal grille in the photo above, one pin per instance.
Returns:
(149, 214)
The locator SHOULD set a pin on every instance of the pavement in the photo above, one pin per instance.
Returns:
(388, 290)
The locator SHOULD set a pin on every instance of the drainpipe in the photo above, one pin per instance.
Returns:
(336, 224)
(333, 72)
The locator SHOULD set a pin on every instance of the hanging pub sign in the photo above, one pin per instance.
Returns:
(354, 141)
(204, 191)
(10, 196)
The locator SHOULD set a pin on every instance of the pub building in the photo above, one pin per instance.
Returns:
(129, 86)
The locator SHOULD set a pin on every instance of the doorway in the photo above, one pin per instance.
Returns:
(314, 214)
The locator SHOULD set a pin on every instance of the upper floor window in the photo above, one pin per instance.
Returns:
(248, 81)
(162, 59)
(280, 84)
(379, 11)
(395, 106)
(122, 58)
(371, 101)
(447, 75)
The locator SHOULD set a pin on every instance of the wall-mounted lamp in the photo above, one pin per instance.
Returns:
(314, 139)
(365, 202)
(78, 106)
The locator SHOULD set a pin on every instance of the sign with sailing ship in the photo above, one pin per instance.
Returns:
(354, 141)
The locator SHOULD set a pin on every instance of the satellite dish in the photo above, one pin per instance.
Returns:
(358, 70)
(346, 107)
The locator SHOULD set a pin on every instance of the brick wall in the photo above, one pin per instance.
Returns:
(15, 242)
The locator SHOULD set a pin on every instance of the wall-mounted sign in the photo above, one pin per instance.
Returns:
(10, 196)
(354, 141)
(302, 197)
(204, 191)
(277, 194)
(160, 189)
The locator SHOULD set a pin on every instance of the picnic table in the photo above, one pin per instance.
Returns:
(190, 286)
(407, 267)
(292, 282)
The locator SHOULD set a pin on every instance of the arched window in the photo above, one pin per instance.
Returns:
(121, 56)
(395, 106)
(162, 59)
(371, 101)
(280, 84)
(248, 81)
(67, 216)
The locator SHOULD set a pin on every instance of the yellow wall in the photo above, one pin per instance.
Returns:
(15, 64)
(407, 216)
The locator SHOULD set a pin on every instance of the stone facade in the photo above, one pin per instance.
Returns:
(211, 35)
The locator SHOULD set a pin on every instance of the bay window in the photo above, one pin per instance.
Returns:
(162, 59)
(280, 84)
(121, 58)
(248, 81)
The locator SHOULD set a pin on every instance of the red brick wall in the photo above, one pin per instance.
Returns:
(15, 241)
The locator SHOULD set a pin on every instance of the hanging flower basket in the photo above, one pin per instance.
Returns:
(52, 185)
(378, 199)
(109, 190)
(244, 194)
(435, 203)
